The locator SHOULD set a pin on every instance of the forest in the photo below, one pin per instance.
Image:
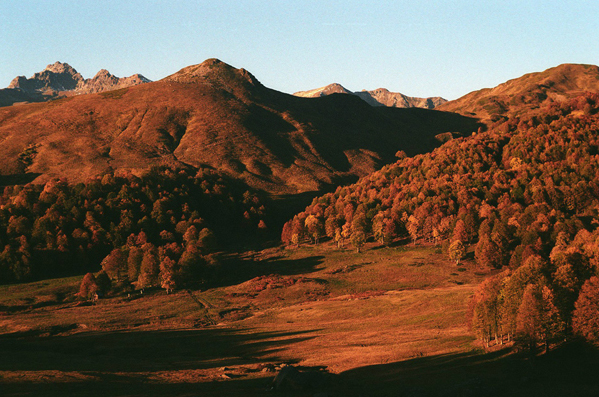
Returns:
(158, 229)
(522, 197)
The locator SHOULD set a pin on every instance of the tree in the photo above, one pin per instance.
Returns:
(378, 227)
(314, 227)
(115, 264)
(456, 251)
(485, 310)
(134, 262)
(585, 321)
(513, 290)
(103, 282)
(552, 325)
(486, 253)
(339, 237)
(538, 319)
(88, 287)
(287, 232)
(207, 240)
(191, 235)
(298, 231)
(358, 238)
(167, 274)
(413, 226)
(459, 232)
(528, 323)
(149, 270)
(331, 225)
(191, 265)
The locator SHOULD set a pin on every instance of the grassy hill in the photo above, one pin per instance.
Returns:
(214, 115)
(528, 94)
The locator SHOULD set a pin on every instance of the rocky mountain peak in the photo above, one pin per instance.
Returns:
(59, 79)
(334, 88)
(61, 68)
(378, 97)
(55, 77)
(103, 73)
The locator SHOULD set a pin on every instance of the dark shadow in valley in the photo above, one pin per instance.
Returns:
(141, 363)
(139, 351)
(569, 370)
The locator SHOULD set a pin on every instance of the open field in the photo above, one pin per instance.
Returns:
(385, 321)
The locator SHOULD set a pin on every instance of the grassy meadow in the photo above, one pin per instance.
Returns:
(387, 320)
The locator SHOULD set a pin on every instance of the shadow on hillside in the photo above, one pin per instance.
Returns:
(18, 179)
(569, 370)
(145, 363)
(122, 363)
(145, 350)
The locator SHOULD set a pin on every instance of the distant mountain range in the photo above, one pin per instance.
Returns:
(215, 115)
(61, 79)
(378, 97)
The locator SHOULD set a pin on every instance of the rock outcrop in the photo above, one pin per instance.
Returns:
(61, 79)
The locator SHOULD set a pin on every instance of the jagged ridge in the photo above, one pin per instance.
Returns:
(378, 97)
(61, 79)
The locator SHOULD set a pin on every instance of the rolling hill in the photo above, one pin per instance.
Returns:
(528, 93)
(215, 115)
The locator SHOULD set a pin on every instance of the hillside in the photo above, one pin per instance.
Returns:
(524, 196)
(215, 115)
(529, 93)
(378, 97)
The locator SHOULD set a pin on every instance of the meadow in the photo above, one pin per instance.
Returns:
(389, 320)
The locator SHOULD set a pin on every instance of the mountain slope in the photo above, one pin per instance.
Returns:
(527, 93)
(378, 97)
(216, 115)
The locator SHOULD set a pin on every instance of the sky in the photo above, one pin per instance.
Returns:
(419, 48)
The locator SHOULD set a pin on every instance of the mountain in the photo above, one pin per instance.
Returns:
(528, 93)
(324, 91)
(56, 77)
(104, 81)
(378, 97)
(383, 97)
(61, 79)
(215, 115)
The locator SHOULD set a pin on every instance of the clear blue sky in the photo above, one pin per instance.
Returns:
(419, 48)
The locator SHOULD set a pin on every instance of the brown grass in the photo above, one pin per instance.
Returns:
(355, 315)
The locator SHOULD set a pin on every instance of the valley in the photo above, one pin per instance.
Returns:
(204, 234)
(316, 307)
(388, 320)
